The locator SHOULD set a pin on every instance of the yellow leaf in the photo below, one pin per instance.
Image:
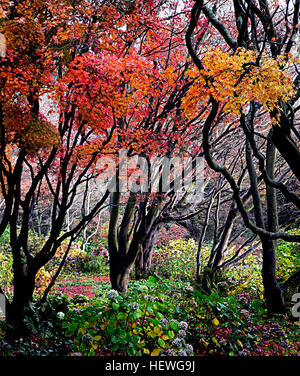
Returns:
(81, 330)
(215, 341)
(155, 352)
(216, 321)
(146, 351)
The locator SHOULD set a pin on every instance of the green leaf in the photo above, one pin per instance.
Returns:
(110, 329)
(152, 281)
(161, 342)
(115, 306)
(121, 315)
(71, 329)
(91, 352)
(115, 347)
(114, 339)
(171, 334)
(131, 351)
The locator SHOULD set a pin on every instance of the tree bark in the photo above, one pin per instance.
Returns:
(201, 240)
(119, 276)
(125, 245)
(223, 243)
(144, 259)
(286, 146)
(273, 293)
(24, 283)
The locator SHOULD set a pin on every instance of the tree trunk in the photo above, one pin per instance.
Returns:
(119, 276)
(286, 146)
(201, 240)
(273, 293)
(223, 243)
(144, 259)
(218, 250)
(24, 283)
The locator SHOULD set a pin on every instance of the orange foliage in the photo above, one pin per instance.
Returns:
(235, 80)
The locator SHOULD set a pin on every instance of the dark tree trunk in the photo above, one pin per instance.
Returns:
(144, 259)
(218, 250)
(125, 245)
(202, 237)
(24, 283)
(119, 277)
(191, 227)
(272, 291)
(286, 146)
(139, 265)
(223, 243)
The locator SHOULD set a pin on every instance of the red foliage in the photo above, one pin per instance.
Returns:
(174, 232)
(70, 288)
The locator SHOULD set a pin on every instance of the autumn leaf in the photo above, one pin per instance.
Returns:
(156, 352)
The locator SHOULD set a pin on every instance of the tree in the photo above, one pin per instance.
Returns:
(62, 51)
(251, 77)
(132, 231)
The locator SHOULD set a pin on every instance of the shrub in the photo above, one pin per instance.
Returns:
(136, 324)
(288, 261)
(171, 232)
(92, 263)
(6, 274)
(176, 260)
(6, 261)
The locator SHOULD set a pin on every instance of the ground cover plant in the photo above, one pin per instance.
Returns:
(166, 314)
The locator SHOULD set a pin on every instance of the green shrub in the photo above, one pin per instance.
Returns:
(177, 260)
(288, 260)
(145, 321)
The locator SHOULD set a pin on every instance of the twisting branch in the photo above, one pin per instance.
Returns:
(198, 6)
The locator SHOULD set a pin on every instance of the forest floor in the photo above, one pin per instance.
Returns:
(84, 284)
